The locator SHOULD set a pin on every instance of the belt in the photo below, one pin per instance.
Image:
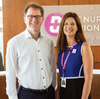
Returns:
(34, 90)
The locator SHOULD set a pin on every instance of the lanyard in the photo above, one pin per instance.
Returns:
(64, 65)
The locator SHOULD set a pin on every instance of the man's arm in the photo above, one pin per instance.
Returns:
(11, 68)
(53, 64)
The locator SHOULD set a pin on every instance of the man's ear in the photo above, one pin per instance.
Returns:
(42, 18)
(24, 19)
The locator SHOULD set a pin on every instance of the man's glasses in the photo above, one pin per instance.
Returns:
(37, 17)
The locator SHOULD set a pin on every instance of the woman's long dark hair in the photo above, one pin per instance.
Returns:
(61, 39)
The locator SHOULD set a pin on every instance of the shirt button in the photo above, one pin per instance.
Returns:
(39, 59)
(38, 51)
(41, 68)
(43, 77)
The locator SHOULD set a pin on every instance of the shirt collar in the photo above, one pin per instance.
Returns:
(28, 35)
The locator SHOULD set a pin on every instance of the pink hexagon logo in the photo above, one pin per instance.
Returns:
(52, 22)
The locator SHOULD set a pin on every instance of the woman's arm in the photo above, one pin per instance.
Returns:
(87, 58)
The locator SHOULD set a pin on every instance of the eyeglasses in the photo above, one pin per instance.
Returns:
(37, 17)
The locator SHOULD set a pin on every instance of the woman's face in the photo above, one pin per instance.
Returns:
(70, 27)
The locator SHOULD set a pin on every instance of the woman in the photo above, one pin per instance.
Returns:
(75, 60)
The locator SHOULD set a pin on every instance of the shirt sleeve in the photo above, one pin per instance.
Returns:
(53, 64)
(11, 69)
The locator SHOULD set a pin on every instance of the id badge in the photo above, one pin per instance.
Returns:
(63, 82)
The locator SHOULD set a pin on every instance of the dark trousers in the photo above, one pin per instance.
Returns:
(50, 94)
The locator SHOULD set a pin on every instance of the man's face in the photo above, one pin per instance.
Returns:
(33, 20)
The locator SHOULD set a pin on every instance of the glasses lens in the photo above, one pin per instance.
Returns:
(36, 16)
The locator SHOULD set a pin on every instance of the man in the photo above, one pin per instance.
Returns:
(30, 58)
